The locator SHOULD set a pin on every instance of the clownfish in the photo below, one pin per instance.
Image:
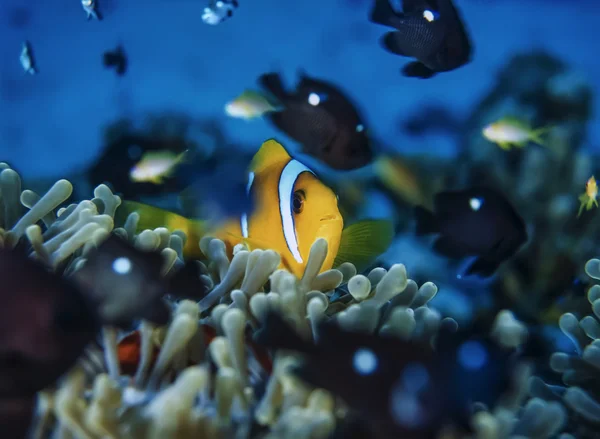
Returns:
(293, 208)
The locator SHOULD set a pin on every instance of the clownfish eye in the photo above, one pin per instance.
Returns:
(298, 201)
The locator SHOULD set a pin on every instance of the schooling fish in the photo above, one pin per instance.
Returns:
(430, 31)
(155, 166)
(322, 119)
(511, 132)
(292, 209)
(474, 222)
(115, 59)
(89, 6)
(26, 59)
(403, 388)
(588, 199)
(249, 105)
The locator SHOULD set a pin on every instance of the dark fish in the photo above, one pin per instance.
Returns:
(116, 59)
(474, 222)
(431, 31)
(126, 284)
(45, 325)
(402, 388)
(322, 119)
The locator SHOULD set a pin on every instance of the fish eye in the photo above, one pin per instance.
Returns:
(360, 128)
(298, 201)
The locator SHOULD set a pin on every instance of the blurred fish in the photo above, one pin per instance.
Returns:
(89, 6)
(155, 166)
(398, 177)
(126, 283)
(429, 30)
(45, 325)
(116, 59)
(474, 222)
(511, 132)
(403, 388)
(26, 59)
(293, 209)
(218, 11)
(249, 105)
(588, 199)
(322, 119)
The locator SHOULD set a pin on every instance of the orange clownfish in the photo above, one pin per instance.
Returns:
(588, 198)
(293, 208)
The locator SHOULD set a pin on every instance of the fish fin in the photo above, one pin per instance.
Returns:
(363, 242)
(270, 152)
(448, 248)
(483, 267)
(389, 41)
(536, 135)
(272, 82)
(417, 69)
(583, 199)
(506, 146)
(426, 222)
(382, 13)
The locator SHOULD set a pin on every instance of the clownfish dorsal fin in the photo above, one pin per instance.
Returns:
(270, 152)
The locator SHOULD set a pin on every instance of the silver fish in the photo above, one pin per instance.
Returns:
(26, 59)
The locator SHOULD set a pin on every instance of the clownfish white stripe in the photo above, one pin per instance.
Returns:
(244, 219)
(287, 181)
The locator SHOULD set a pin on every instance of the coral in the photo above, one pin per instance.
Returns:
(580, 372)
(223, 387)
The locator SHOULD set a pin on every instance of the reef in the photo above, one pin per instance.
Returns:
(187, 383)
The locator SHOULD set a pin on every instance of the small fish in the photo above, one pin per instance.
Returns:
(588, 198)
(249, 105)
(218, 11)
(474, 222)
(116, 59)
(155, 166)
(293, 209)
(322, 119)
(431, 31)
(89, 6)
(26, 59)
(511, 132)
(402, 388)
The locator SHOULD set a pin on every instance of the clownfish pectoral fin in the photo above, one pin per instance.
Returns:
(363, 242)
(269, 153)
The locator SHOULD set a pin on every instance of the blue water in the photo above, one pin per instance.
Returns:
(51, 123)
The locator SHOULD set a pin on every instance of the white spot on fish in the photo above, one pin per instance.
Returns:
(121, 265)
(360, 128)
(430, 15)
(314, 99)
(475, 203)
(365, 361)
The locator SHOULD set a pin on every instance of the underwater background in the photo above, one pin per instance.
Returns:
(75, 117)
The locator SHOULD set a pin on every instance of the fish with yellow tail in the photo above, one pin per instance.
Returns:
(511, 132)
(293, 208)
(588, 198)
